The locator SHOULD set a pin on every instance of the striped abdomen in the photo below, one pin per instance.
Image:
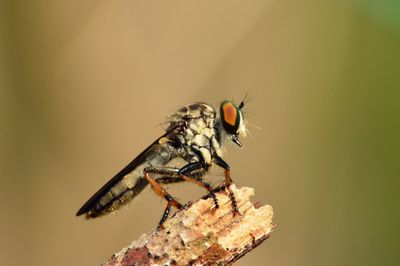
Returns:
(129, 182)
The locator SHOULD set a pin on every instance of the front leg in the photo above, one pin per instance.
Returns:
(228, 181)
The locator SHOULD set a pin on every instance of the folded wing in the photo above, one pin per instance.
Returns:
(129, 182)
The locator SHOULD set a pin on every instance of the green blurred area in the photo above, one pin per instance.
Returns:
(84, 85)
(385, 12)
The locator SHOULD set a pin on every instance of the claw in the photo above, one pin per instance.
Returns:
(160, 227)
(216, 205)
(235, 209)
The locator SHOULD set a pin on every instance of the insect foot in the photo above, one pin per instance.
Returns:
(196, 235)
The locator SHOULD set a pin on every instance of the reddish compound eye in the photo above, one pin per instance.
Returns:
(230, 114)
(230, 117)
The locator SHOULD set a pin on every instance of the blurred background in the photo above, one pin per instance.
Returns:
(84, 85)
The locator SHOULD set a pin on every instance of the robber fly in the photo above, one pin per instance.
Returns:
(195, 134)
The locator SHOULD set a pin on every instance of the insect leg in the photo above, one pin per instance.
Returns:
(169, 180)
(192, 173)
(165, 215)
(189, 173)
(228, 181)
(160, 190)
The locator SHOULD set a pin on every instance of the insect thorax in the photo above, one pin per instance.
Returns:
(200, 139)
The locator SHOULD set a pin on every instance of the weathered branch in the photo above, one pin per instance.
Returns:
(202, 235)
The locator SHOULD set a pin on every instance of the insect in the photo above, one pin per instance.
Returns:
(195, 135)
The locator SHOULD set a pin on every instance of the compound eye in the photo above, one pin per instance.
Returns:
(230, 117)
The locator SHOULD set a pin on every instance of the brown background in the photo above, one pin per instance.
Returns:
(84, 85)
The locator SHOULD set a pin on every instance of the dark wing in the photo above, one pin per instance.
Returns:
(94, 207)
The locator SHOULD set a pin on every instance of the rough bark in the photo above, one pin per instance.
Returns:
(202, 235)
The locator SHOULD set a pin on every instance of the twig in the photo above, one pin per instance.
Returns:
(202, 235)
